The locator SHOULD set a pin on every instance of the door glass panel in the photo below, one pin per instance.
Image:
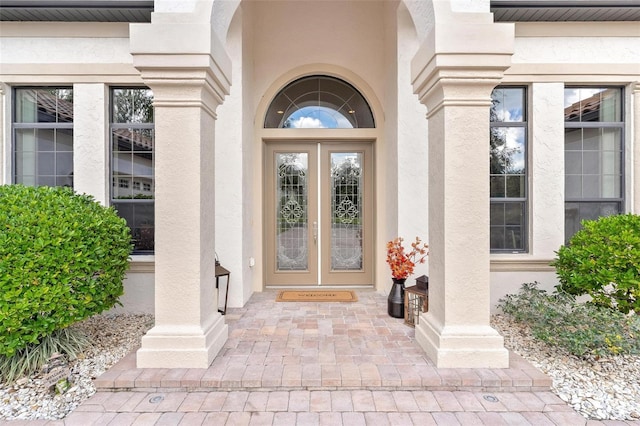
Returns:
(346, 207)
(291, 211)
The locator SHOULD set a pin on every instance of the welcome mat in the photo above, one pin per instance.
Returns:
(316, 296)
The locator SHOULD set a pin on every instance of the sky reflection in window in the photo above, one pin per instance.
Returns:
(317, 117)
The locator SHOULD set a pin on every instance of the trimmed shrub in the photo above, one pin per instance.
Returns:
(63, 258)
(578, 328)
(603, 261)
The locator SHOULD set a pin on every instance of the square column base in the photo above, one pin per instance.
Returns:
(462, 346)
(183, 346)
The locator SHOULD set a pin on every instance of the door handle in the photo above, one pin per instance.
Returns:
(315, 232)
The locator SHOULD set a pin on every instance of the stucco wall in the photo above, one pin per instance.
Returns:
(139, 294)
(56, 53)
(233, 180)
(413, 160)
(292, 34)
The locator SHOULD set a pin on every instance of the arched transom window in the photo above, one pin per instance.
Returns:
(319, 102)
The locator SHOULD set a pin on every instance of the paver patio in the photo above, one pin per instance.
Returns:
(322, 364)
(321, 345)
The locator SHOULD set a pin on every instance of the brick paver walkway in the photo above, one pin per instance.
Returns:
(322, 364)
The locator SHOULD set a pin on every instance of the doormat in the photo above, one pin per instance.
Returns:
(316, 296)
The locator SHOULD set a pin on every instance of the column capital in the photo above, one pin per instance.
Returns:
(459, 56)
(636, 88)
(183, 63)
(192, 83)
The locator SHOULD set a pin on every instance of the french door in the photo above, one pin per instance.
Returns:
(318, 214)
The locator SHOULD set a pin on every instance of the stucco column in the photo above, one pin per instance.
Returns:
(187, 88)
(89, 150)
(547, 168)
(4, 178)
(636, 148)
(454, 72)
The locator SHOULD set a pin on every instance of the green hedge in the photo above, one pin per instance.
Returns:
(603, 261)
(63, 258)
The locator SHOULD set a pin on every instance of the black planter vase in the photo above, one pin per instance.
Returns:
(395, 301)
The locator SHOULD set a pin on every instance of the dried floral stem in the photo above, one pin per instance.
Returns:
(402, 262)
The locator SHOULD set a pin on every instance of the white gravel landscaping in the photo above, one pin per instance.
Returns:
(113, 337)
(606, 388)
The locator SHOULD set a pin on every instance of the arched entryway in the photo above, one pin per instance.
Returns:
(318, 191)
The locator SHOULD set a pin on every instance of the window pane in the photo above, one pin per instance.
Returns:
(593, 155)
(122, 164)
(514, 214)
(25, 164)
(591, 186)
(29, 180)
(132, 106)
(64, 140)
(507, 104)
(573, 162)
(589, 104)
(317, 117)
(507, 154)
(611, 186)
(513, 238)
(43, 105)
(26, 103)
(46, 139)
(497, 184)
(121, 140)
(292, 193)
(132, 163)
(591, 139)
(26, 139)
(611, 139)
(45, 180)
(575, 213)
(591, 162)
(37, 153)
(319, 102)
(573, 186)
(64, 163)
(346, 207)
(46, 163)
(140, 218)
(573, 139)
(496, 237)
(508, 169)
(515, 187)
(507, 226)
(599, 182)
(142, 164)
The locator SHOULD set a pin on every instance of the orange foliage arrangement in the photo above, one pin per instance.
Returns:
(401, 262)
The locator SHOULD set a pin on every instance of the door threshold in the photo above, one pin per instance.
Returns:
(317, 287)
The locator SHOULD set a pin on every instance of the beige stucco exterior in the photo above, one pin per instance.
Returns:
(427, 69)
